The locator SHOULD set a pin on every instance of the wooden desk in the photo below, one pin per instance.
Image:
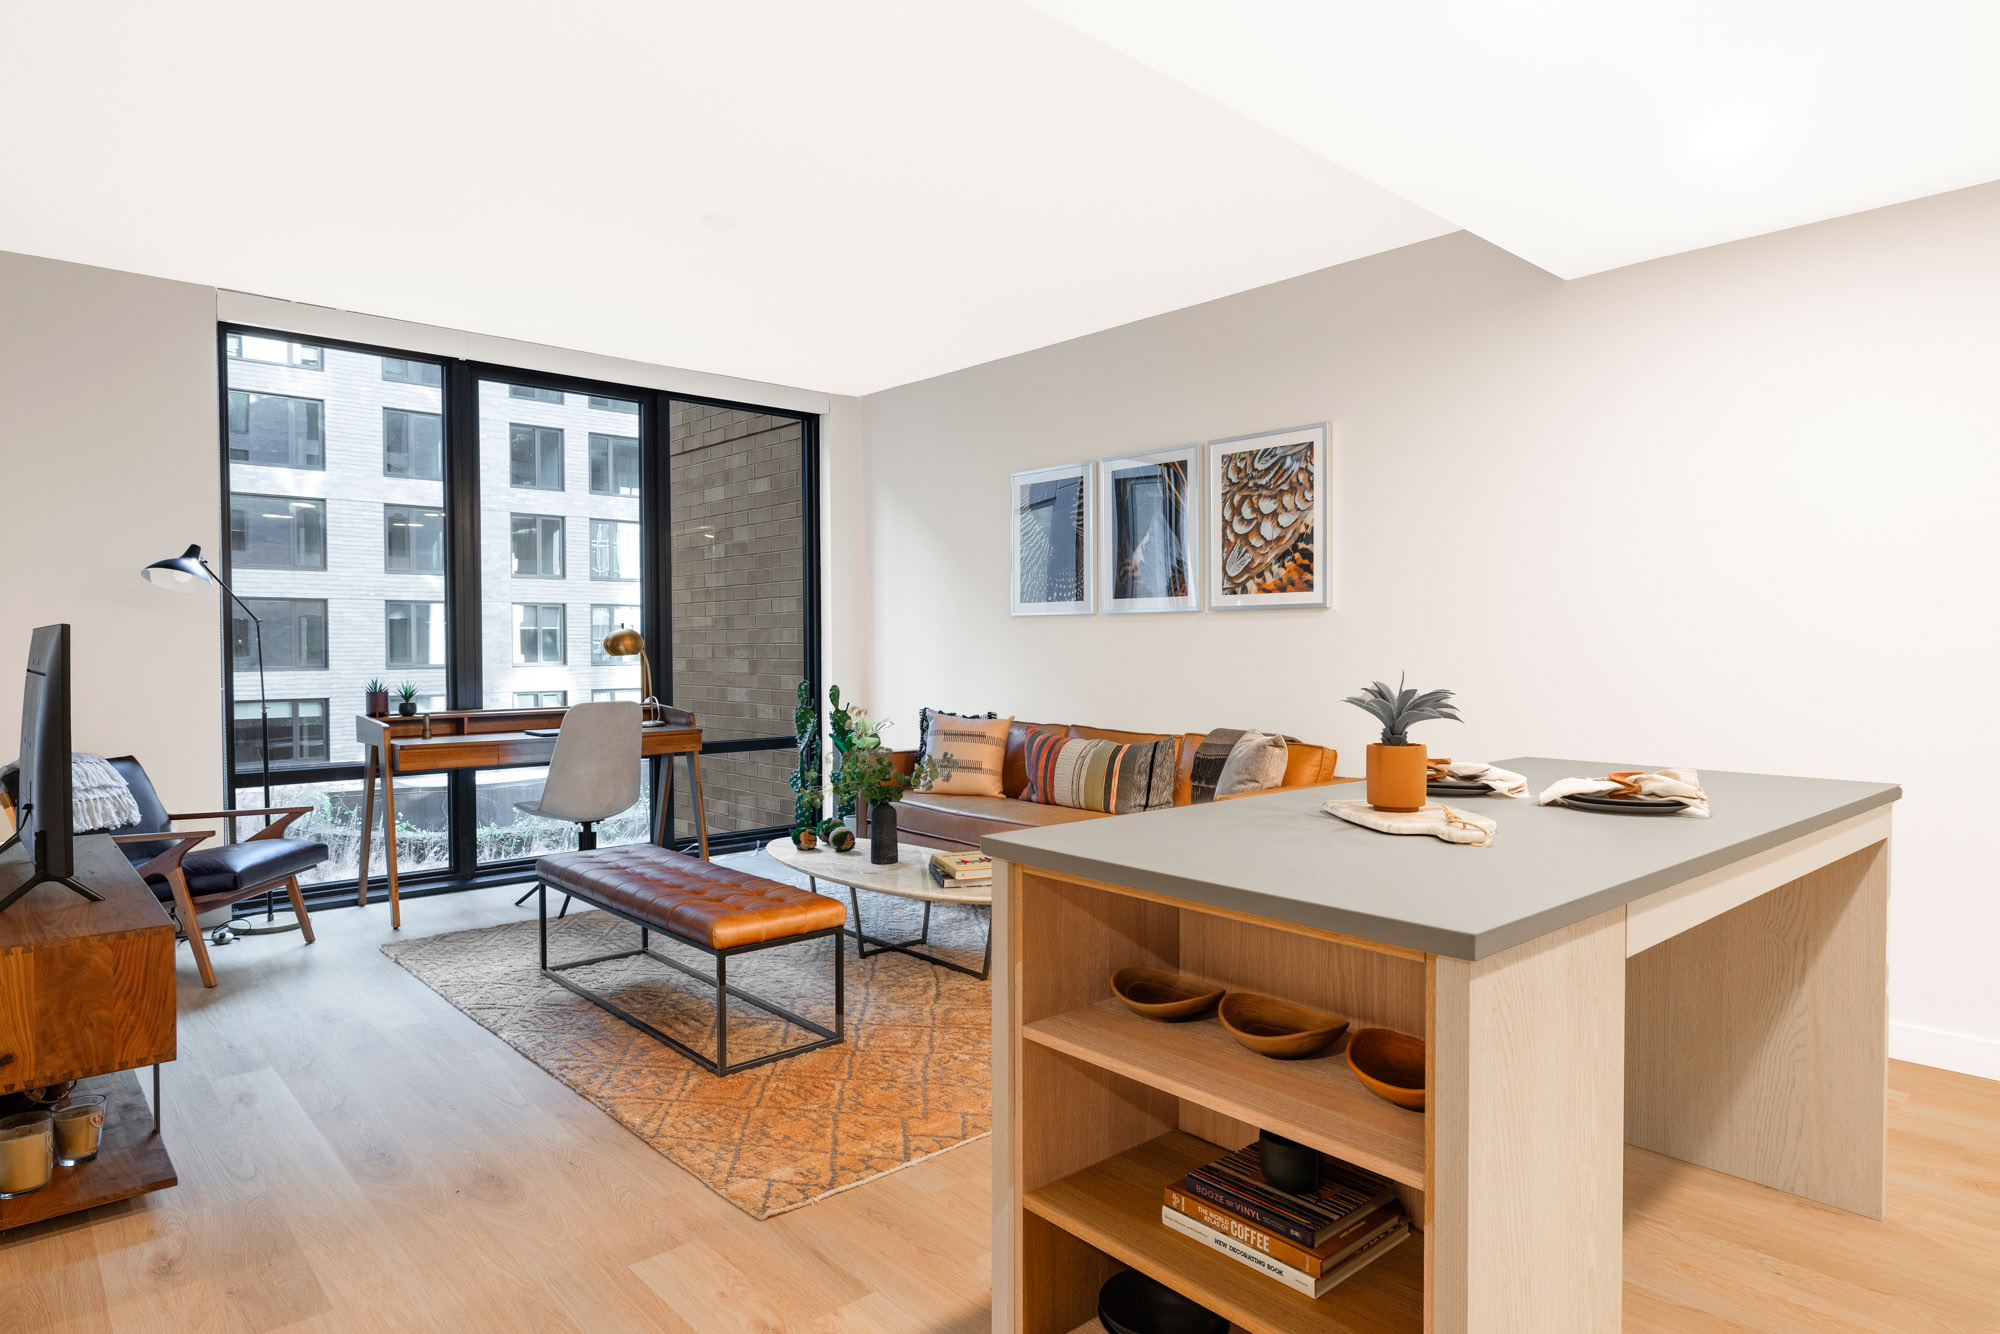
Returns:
(1714, 990)
(489, 739)
(87, 992)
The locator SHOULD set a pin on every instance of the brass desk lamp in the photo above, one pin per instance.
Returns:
(631, 644)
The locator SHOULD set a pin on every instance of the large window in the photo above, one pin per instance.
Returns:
(412, 443)
(415, 634)
(538, 632)
(277, 533)
(276, 430)
(538, 545)
(535, 456)
(294, 633)
(614, 464)
(463, 464)
(614, 549)
(413, 539)
(298, 733)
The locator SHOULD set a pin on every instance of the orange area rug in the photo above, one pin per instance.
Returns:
(914, 1077)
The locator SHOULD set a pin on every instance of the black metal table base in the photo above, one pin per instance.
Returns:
(720, 1064)
(862, 940)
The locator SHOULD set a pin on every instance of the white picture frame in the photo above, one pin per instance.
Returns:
(1052, 569)
(1260, 489)
(1149, 525)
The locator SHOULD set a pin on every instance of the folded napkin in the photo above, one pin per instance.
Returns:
(99, 796)
(1433, 818)
(1504, 782)
(1682, 783)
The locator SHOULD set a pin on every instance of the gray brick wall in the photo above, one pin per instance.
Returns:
(738, 597)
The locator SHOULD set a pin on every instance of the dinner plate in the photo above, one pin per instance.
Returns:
(1626, 805)
(1456, 789)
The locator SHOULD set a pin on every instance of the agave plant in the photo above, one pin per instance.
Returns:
(1402, 708)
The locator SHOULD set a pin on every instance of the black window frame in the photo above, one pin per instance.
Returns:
(463, 592)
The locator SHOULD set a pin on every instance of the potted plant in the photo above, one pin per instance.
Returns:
(809, 793)
(867, 777)
(408, 692)
(1396, 769)
(378, 699)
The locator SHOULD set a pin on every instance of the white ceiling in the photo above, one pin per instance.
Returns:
(837, 196)
(1584, 135)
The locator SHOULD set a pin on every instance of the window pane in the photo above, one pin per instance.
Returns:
(614, 465)
(603, 620)
(422, 824)
(614, 549)
(536, 395)
(507, 834)
(738, 569)
(297, 730)
(366, 435)
(744, 790)
(538, 545)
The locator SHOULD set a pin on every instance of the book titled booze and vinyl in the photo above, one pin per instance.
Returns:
(1313, 1261)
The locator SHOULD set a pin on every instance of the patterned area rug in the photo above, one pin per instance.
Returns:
(913, 1079)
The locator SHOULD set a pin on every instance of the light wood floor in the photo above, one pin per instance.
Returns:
(357, 1155)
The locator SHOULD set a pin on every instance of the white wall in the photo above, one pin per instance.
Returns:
(1733, 509)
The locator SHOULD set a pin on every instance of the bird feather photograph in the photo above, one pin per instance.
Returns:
(1267, 517)
(1148, 509)
(1051, 539)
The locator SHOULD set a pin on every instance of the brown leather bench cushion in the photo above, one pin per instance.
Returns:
(685, 896)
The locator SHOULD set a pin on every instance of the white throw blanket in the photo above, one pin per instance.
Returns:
(1504, 782)
(1682, 783)
(1434, 818)
(99, 796)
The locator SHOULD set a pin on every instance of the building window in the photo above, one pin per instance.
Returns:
(538, 546)
(534, 395)
(277, 533)
(541, 699)
(402, 371)
(276, 430)
(535, 457)
(298, 733)
(538, 632)
(604, 618)
(631, 695)
(276, 351)
(412, 443)
(294, 633)
(413, 539)
(614, 465)
(614, 405)
(614, 549)
(415, 634)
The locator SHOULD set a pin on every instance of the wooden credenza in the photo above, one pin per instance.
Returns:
(87, 993)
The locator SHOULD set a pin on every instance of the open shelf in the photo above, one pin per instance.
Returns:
(131, 1159)
(1317, 1101)
(1114, 1206)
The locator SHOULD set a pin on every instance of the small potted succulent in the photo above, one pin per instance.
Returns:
(378, 698)
(407, 692)
(1396, 770)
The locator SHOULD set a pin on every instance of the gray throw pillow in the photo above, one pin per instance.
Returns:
(1256, 763)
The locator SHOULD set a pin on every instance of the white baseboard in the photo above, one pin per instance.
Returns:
(1962, 1052)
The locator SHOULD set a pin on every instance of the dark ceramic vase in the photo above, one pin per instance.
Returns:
(408, 708)
(1289, 1165)
(882, 833)
(378, 704)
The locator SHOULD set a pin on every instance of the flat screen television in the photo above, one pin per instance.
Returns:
(42, 810)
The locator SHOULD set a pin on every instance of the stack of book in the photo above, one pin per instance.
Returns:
(1309, 1243)
(962, 869)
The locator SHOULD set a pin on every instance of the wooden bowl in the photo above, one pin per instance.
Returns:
(1390, 1065)
(1278, 1028)
(1158, 994)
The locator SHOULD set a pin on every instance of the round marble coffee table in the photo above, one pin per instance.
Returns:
(909, 878)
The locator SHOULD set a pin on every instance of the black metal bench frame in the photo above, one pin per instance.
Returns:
(723, 991)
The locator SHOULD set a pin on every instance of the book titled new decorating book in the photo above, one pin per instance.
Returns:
(1312, 1262)
(1366, 1252)
(1236, 1182)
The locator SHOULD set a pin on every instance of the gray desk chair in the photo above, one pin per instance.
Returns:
(594, 773)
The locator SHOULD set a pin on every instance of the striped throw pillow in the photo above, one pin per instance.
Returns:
(978, 747)
(1100, 775)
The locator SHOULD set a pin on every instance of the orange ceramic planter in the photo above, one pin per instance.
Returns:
(1396, 777)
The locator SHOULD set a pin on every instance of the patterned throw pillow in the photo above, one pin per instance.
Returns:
(978, 747)
(1100, 775)
(1231, 761)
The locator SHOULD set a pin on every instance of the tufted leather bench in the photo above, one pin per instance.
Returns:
(719, 910)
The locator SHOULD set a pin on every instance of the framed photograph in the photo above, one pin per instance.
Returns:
(1267, 519)
(1051, 573)
(1148, 524)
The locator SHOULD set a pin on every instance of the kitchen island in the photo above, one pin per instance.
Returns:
(1710, 989)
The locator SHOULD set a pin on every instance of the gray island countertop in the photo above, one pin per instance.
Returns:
(1281, 856)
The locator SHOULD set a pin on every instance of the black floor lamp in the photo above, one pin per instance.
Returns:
(187, 573)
